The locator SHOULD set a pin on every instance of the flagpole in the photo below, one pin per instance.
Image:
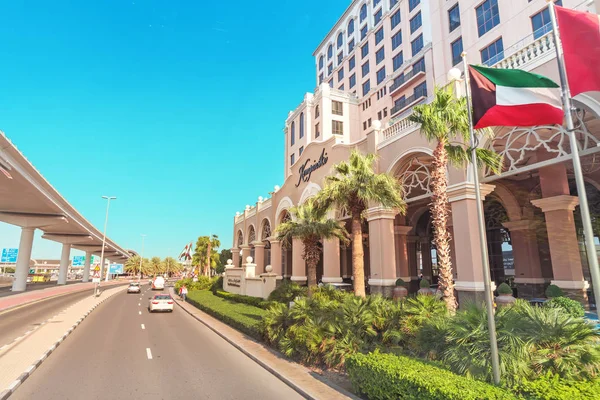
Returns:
(482, 239)
(590, 247)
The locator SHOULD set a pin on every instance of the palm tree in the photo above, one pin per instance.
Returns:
(310, 224)
(355, 185)
(171, 265)
(156, 266)
(445, 122)
(132, 265)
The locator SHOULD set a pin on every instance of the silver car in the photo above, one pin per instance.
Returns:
(134, 287)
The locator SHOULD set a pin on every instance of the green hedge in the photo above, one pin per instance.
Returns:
(551, 387)
(242, 317)
(238, 298)
(381, 376)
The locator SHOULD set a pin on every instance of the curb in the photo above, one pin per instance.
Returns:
(27, 373)
(281, 377)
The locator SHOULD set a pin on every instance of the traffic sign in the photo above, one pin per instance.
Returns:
(95, 280)
(115, 269)
(32, 270)
(9, 255)
(78, 261)
(96, 273)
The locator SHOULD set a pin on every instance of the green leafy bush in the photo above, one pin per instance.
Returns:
(287, 292)
(243, 317)
(400, 282)
(389, 377)
(554, 291)
(424, 284)
(203, 283)
(503, 288)
(253, 301)
(552, 387)
(570, 306)
(217, 285)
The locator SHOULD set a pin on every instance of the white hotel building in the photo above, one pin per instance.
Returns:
(380, 59)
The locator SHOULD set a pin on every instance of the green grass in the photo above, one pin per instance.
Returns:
(243, 317)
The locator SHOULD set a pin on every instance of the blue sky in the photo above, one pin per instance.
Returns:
(175, 107)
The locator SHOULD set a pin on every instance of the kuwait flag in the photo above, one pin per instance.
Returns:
(511, 97)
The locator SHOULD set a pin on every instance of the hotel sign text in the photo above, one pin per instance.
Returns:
(306, 170)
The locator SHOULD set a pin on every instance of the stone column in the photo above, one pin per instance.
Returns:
(564, 248)
(469, 265)
(22, 267)
(259, 257)
(382, 250)
(346, 273)
(558, 205)
(426, 258)
(528, 268)
(244, 253)
(64, 264)
(298, 264)
(413, 268)
(402, 268)
(276, 258)
(235, 257)
(331, 261)
(86, 266)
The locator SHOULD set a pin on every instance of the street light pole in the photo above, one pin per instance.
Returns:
(141, 258)
(108, 199)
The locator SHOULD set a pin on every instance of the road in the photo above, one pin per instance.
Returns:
(7, 290)
(121, 351)
(17, 321)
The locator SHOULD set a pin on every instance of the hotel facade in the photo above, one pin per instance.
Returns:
(381, 58)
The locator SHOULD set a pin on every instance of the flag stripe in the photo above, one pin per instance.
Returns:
(514, 96)
(525, 115)
(483, 94)
(515, 77)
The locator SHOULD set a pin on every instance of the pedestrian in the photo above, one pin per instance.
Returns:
(183, 292)
(180, 291)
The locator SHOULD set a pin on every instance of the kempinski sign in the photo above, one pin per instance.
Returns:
(306, 170)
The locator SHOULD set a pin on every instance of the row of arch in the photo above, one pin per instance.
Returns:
(362, 16)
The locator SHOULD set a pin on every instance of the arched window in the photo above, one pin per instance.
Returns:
(317, 112)
(350, 27)
(340, 40)
(293, 136)
(321, 62)
(363, 13)
(301, 125)
(329, 52)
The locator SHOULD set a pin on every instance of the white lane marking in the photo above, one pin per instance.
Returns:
(143, 326)
(139, 304)
(148, 353)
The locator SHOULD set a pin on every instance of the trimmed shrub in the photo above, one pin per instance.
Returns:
(503, 288)
(288, 291)
(570, 306)
(400, 282)
(551, 387)
(238, 298)
(554, 291)
(389, 377)
(243, 317)
(217, 285)
(424, 284)
(203, 283)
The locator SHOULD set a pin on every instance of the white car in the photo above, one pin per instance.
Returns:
(161, 302)
(134, 287)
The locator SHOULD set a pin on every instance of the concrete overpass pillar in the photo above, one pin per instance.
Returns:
(64, 263)
(86, 266)
(22, 267)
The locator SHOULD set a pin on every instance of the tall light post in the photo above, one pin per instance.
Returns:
(141, 257)
(108, 199)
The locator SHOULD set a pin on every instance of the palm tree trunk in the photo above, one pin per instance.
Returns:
(358, 262)
(439, 214)
(311, 257)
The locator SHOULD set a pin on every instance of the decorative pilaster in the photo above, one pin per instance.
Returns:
(382, 249)
(259, 256)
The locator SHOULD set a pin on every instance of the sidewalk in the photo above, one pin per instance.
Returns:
(301, 379)
(52, 291)
(19, 361)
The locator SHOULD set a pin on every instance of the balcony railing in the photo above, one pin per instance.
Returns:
(401, 105)
(543, 46)
(397, 129)
(407, 77)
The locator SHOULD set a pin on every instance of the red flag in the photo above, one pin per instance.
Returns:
(580, 37)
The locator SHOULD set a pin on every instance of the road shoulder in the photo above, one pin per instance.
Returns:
(302, 380)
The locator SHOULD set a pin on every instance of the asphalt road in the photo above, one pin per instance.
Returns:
(172, 356)
(17, 321)
(7, 290)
